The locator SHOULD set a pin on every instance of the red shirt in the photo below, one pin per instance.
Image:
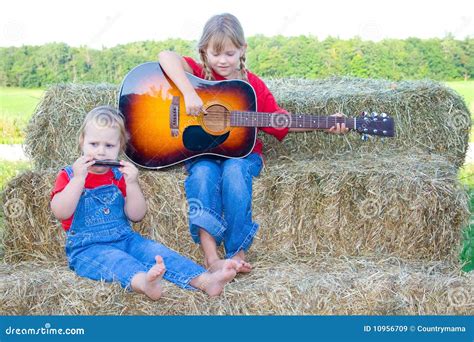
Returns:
(93, 180)
(266, 103)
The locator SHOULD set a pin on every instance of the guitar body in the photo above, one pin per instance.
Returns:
(163, 134)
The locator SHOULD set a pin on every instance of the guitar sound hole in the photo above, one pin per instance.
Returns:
(217, 119)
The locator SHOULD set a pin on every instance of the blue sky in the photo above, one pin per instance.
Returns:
(107, 23)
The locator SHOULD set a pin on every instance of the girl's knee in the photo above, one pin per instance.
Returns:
(235, 168)
(249, 166)
(204, 170)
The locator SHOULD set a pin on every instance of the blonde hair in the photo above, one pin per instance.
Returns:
(218, 30)
(105, 117)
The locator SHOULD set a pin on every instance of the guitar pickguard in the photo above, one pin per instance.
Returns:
(197, 140)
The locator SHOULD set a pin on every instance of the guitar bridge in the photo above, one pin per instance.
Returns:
(174, 116)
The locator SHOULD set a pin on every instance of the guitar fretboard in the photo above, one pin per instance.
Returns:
(278, 120)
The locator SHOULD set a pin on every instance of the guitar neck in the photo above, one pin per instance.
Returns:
(277, 120)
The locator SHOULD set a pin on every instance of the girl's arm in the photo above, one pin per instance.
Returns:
(135, 204)
(64, 203)
(174, 65)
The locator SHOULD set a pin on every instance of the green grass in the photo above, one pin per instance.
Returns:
(16, 108)
(466, 176)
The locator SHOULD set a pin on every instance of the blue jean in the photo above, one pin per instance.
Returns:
(219, 194)
(101, 244)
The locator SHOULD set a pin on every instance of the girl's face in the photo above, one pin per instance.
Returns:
(101, 143)
(226, 62)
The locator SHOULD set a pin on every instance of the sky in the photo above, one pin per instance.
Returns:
(100, 24)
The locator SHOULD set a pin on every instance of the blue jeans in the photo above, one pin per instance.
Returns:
(101, 244)
(219, 193)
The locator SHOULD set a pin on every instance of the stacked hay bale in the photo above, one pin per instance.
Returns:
(347, 227)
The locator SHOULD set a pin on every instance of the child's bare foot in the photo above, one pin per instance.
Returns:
(243, 266)
(150, 283)
(213, 282)
(214, 264)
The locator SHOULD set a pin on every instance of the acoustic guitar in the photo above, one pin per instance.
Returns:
(163, 134)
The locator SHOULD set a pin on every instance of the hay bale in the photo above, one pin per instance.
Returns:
(328, 286)
(406, 205)
(428, 116)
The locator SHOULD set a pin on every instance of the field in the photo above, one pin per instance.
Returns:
(17, 107)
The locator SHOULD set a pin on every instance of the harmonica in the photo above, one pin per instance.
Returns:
(107, 162)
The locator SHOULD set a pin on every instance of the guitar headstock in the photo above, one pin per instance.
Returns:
(375, 124)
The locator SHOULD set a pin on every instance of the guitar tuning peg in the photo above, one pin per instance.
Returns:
(364, 114)
(365, 137)
(383, 115)
(375, 114)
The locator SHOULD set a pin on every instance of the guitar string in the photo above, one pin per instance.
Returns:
(240, 117)
(234, 114)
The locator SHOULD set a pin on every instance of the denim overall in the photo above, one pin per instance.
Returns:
(219, 194)
(101, 244)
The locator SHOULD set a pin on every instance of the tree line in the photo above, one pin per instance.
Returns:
(277, 57)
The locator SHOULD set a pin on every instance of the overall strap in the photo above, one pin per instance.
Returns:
(69, 171)
(117, 174)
